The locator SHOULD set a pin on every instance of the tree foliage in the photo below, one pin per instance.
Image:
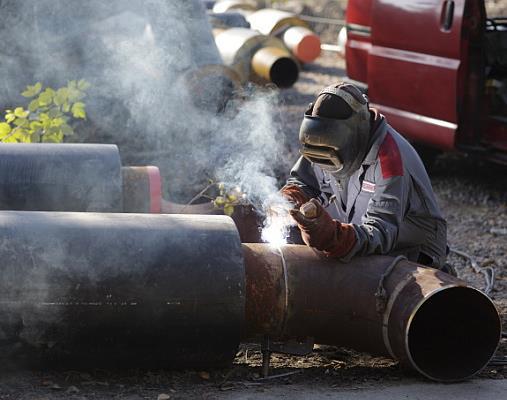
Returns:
(48, 116)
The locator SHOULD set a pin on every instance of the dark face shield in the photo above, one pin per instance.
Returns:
(327, 158)
(337, 146)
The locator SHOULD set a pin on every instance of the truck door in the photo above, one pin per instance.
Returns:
(419, 71)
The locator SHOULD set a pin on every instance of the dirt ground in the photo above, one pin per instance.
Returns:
(473, 198)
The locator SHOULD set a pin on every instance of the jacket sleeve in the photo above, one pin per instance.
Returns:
(379, 228)
(303, 175)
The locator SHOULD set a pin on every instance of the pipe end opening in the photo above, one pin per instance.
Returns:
(284, 72)
(453, 334)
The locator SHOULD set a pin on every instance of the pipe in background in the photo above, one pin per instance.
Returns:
(239, 47)
(295, 33)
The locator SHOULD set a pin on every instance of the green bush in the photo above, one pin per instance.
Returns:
(48, 116)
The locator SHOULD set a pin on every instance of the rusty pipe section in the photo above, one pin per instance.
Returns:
(295, 33)
(256, 56)
(428, 320)
(120, 290)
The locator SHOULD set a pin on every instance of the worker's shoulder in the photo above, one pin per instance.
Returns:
(390, 158)
(396, 156)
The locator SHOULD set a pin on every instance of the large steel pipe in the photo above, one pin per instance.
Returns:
(140, 290)
(427, 319)
(60, 177)
(253, 56)
(302, 42)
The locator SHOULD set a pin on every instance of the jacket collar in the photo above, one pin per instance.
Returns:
(379, 130)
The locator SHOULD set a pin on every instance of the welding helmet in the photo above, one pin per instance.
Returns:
(335, 131)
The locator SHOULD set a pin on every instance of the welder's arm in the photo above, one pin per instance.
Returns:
(378, 232)
(320, 231)
(302, 184)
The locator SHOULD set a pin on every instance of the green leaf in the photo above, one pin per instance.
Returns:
(32, 91)
(35, 126)
(229, 210)
(46, 97)
(22, 136)
(53, 136)
(20, 112)
(57, 122)
(33, 106)
(78, 110)
(219, 201)
(83, 85)
(66, 107)
(9, 117)
(61, 96)
(20, 122)
(54, 113)
(5, 129)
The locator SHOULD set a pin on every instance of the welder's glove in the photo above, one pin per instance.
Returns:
(320, 231)
(294, 194)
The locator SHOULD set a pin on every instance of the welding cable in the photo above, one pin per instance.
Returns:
(381, 293)
(489, 273)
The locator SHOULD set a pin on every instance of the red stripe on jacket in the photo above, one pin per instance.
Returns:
(390, 158)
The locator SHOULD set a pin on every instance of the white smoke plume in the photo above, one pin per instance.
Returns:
(138, 54)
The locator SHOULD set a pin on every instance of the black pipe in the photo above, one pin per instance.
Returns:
(120, 290)
(60, 177)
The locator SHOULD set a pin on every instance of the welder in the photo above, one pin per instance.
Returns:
(359, 188)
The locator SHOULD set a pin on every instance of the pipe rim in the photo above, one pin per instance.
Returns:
(411, 319)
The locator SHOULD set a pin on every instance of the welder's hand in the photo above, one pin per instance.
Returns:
(294, 194)
(320, 231)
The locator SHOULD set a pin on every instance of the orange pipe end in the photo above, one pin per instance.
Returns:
(155, 189)
(303, 43)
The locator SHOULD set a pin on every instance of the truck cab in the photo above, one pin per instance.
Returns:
(437, 69)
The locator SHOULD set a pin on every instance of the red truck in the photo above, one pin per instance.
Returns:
(436, 68)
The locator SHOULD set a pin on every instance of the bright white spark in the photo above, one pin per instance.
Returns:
(278, 221)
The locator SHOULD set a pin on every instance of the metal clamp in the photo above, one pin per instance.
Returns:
(381, 293)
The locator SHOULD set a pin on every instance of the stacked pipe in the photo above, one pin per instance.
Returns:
(294, 32)
(303, 43)
(75, 177)
(256, 57)
(178, 291)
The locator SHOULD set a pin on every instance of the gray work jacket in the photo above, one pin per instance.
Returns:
(388, 200)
